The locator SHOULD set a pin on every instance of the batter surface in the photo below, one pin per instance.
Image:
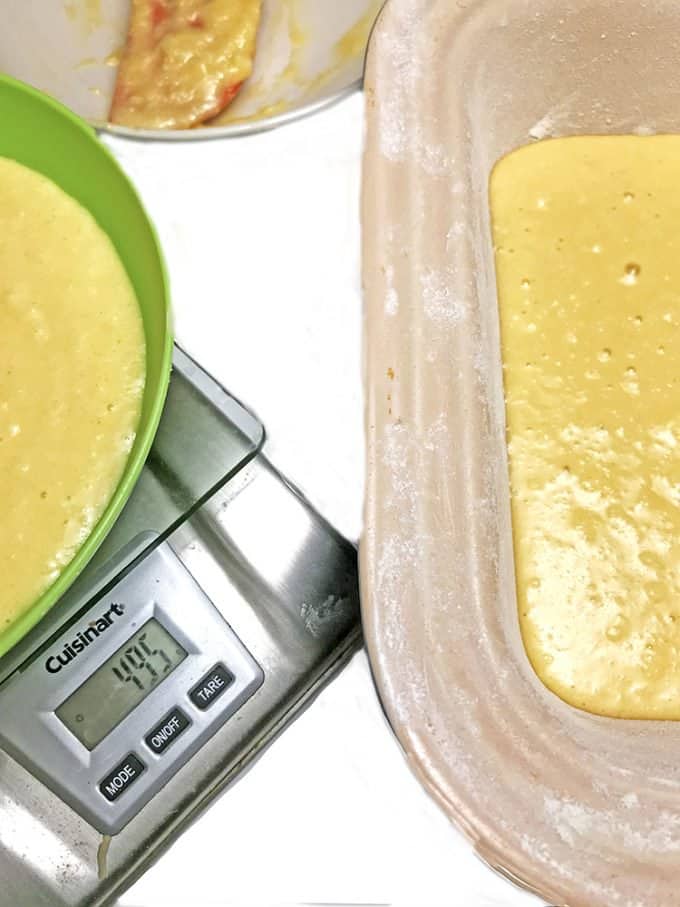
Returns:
(587, 253)
(184, 61)
(72, 368)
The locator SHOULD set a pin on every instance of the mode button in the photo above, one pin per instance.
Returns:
(123, 775)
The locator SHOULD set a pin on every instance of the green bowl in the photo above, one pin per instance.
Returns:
(39, 133)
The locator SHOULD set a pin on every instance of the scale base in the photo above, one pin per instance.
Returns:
(284, 581)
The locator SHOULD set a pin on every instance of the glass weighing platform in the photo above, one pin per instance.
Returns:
(216, 608)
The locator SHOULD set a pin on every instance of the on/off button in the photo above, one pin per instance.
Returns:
(167, 731)
(210, 687)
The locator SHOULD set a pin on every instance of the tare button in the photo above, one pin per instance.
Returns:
(123, 775)
(210, 687)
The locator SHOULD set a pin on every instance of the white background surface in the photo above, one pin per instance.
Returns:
(262, 240)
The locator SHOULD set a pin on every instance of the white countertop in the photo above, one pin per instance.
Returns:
(261, 235)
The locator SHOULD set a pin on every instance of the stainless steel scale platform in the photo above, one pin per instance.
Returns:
(217, 607)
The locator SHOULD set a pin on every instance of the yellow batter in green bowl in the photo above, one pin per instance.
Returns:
(85, 349)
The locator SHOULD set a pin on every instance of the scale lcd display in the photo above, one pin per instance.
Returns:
(121, 683)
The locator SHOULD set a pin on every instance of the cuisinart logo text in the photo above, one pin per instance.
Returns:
(55, 663)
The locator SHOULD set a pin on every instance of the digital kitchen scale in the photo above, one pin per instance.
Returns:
(217, 606)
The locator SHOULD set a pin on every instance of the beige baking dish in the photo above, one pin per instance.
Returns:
(583, 810)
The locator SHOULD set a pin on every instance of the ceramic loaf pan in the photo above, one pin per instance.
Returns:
(583, 810)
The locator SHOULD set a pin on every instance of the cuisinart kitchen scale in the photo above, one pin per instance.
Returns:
(217, 606)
